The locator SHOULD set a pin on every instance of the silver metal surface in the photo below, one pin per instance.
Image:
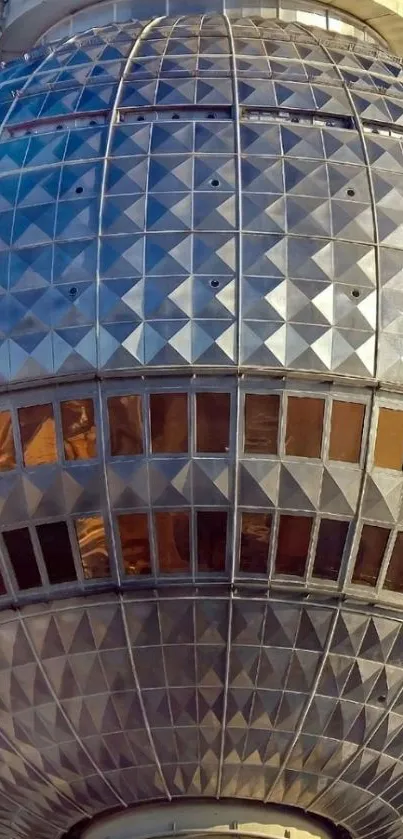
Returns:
(200, 206)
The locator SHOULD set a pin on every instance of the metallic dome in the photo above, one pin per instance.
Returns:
(201, 435)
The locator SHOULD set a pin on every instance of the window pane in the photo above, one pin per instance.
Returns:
(38, 437)
(7, 450)
(172, 530)
(293, 545)
(22, 558)
(389, 439)
(169, 422)
(261, 423)
(394, 575)
(79, 433)
(329, 550)
(370, 554)
(304, 426)
(126, 424)
(212, 421)
(93, 548)
(346, 431)
(56, 549)
(135, 543)
(211, 540)
(255, 539)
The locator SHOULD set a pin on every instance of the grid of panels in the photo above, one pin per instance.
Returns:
(128, 700)
(293, 484)
(129, 241)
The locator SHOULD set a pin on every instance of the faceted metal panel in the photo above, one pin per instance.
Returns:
(138, 698)
(187, 196)
(168, 199)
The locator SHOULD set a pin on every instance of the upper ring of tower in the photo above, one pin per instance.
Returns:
(25, 22)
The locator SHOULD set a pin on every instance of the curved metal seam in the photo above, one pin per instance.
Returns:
(140, 698)
(360, 499)
(307, 706)
(238, 280)
(65, 716)
(108, 146)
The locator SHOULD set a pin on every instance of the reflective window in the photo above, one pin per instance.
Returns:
(56, 550)
(38, 436)
(172, 532)
(346, 431)
(394, 575)
(93, 548)
(329, 550)
(212, 422)
(211, 540)
(255, 539)
(261, 423)
(22, 558)
(79, 434)
(169, 422)
(370, 554)
(389, 439)
(304, 426)
(126, 424)
(294, 536)
(7, 450)
(135, 543)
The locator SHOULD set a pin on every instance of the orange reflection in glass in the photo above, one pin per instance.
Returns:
(329, 550)
(304, 426)
(394, 575)
(370, 554)
(126, 424)
(212, 422)
(261, 423)
(211, 540)
(389, 439)
(293, 545)
(79, 434)
(7, 450)
(255, 539)
(169, 422)
(172, 530)
(38, 436)
(346, 431)
(93, 548)
(135, 543)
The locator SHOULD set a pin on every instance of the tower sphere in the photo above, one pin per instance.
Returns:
(201, 422)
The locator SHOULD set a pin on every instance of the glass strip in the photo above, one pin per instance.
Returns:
(261, 423)
(329, 550)
(22, 558)
(38, 435)
(169, 422)
(55, 544)
(126, 424)
(304, 426)
(135, 543)
(389, 439)
(212, 422)
(255, 540)
(211, 540)
(370, 554)
(346, 431)
(79, 433)
(93, 548)
(172, 532)
(294, 536)
(7, 449)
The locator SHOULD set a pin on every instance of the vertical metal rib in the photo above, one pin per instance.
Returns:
(109, 139)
